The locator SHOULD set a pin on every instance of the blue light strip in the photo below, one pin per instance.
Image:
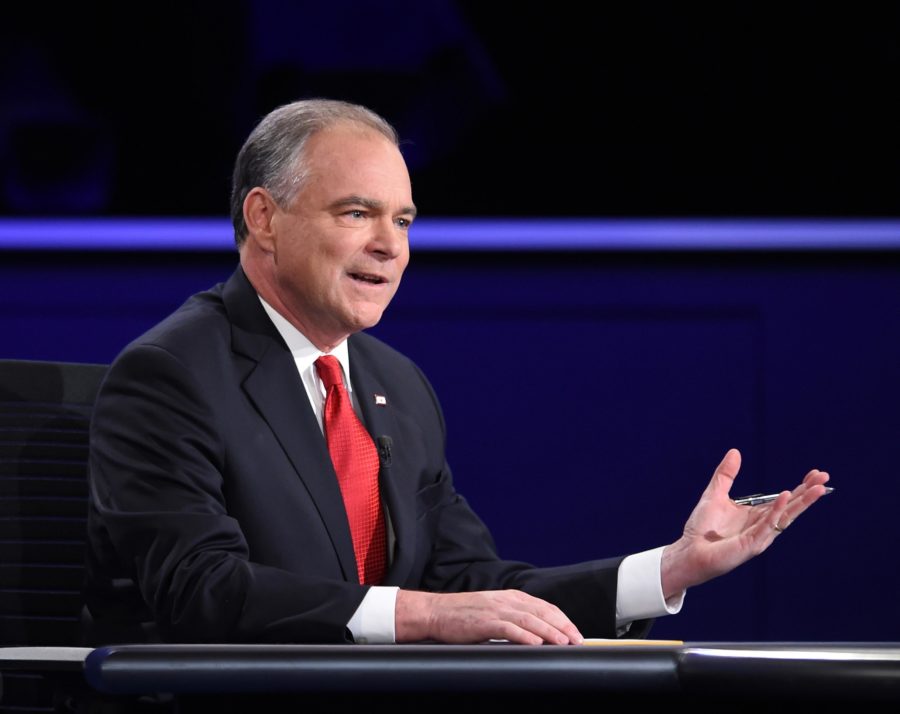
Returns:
(212, 234)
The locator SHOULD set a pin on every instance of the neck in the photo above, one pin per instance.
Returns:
(269, 292)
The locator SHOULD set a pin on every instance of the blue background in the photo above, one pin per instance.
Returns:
(590, 394)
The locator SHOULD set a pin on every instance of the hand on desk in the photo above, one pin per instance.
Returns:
(470, 617)
(720, 535)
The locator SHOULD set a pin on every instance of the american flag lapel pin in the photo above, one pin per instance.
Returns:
(380, 400)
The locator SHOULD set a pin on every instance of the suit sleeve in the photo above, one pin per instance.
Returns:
(156, 466)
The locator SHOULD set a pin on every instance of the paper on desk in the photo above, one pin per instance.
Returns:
(624, 642)
(616, 642)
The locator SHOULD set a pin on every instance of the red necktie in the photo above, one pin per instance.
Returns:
(356, 463)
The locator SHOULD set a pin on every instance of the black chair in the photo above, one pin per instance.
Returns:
(45, 410)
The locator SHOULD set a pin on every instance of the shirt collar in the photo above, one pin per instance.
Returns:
(304, 352)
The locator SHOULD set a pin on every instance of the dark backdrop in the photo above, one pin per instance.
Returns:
(563, 108)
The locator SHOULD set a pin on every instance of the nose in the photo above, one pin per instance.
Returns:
(388, 241)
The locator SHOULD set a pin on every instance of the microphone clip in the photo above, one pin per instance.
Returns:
(385, 444)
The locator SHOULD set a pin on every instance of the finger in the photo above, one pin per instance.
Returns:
(785, 513)
(798, 504)
(774, 520)
(813, 482)
(536, 617)
(528, 628)
(725, 473)
(549, 622)
(813, 478)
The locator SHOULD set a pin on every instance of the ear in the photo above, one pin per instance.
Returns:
(259, 213)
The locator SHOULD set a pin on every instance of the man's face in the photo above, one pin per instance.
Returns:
(342, 245)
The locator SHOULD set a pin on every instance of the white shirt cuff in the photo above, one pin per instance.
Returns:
(639, 593)
(373, 621)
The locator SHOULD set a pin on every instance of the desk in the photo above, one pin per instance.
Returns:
(468, 678)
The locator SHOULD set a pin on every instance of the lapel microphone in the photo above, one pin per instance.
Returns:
(384, 450)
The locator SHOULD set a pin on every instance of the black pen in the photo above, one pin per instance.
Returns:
(757, 499)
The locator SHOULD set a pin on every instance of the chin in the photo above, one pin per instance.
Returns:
(366, 324)
(364, 319)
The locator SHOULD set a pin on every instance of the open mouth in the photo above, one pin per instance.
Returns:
(368, 278)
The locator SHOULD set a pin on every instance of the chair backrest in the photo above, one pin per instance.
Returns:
(45, 410)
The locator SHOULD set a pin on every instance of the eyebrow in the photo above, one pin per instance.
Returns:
(371, 204)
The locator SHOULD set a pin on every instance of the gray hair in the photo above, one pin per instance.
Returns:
(272, 157)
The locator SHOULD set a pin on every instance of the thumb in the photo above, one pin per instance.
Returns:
(726, 472)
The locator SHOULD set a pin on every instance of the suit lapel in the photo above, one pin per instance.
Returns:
(378, 414)
(275, 389)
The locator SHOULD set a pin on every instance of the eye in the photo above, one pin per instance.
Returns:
(356, 213)
(403, 222)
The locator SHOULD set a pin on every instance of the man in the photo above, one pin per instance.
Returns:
(220, 508)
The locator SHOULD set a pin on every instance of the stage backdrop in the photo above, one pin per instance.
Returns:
(590, 393)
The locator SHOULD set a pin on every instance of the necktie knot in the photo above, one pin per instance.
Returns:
(329, 370)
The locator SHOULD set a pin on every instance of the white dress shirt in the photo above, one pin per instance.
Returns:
(639, 592)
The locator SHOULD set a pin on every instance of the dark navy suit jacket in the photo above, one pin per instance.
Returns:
(215, 514)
